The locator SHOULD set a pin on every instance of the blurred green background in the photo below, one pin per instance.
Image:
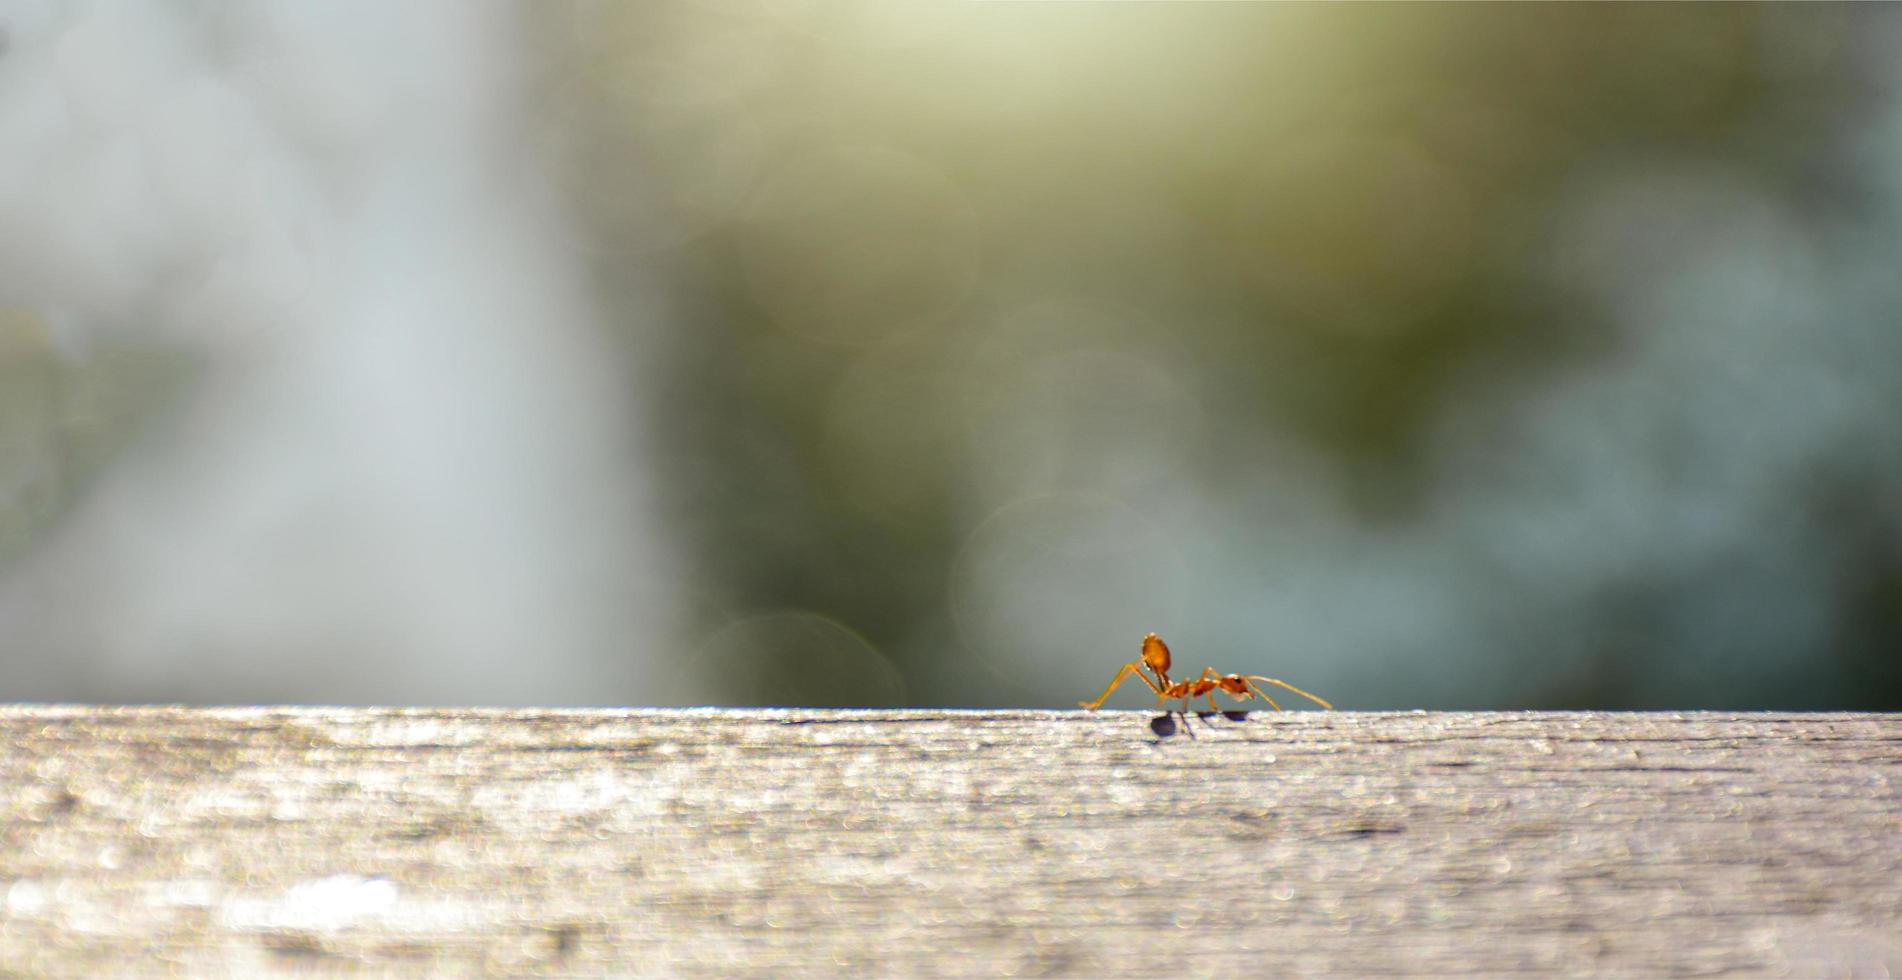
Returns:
(1488, 356)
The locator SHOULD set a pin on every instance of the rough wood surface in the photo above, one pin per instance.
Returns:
(241, 842)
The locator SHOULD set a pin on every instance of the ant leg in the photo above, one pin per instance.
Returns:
(1187, 725)
(1208, 672)
(1128, 668)
(1168, 692)
(1251, 683)
(1208, 694)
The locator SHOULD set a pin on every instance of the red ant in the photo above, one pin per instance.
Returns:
(1156, 658)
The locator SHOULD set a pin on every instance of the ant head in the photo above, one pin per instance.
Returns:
(1156, 654)
(1233, 684)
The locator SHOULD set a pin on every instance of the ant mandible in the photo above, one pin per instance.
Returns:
(1156, 659)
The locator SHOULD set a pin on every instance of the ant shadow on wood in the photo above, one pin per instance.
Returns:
(1164, 725)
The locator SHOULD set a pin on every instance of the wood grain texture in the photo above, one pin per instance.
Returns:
(246, 842)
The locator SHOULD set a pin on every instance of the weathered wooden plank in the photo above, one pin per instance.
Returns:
(717, 842)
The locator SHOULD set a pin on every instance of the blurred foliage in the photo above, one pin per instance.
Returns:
(63, 420)
(1423, 355)
(927, 266)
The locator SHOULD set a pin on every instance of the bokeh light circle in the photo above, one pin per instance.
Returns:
(789, 658)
